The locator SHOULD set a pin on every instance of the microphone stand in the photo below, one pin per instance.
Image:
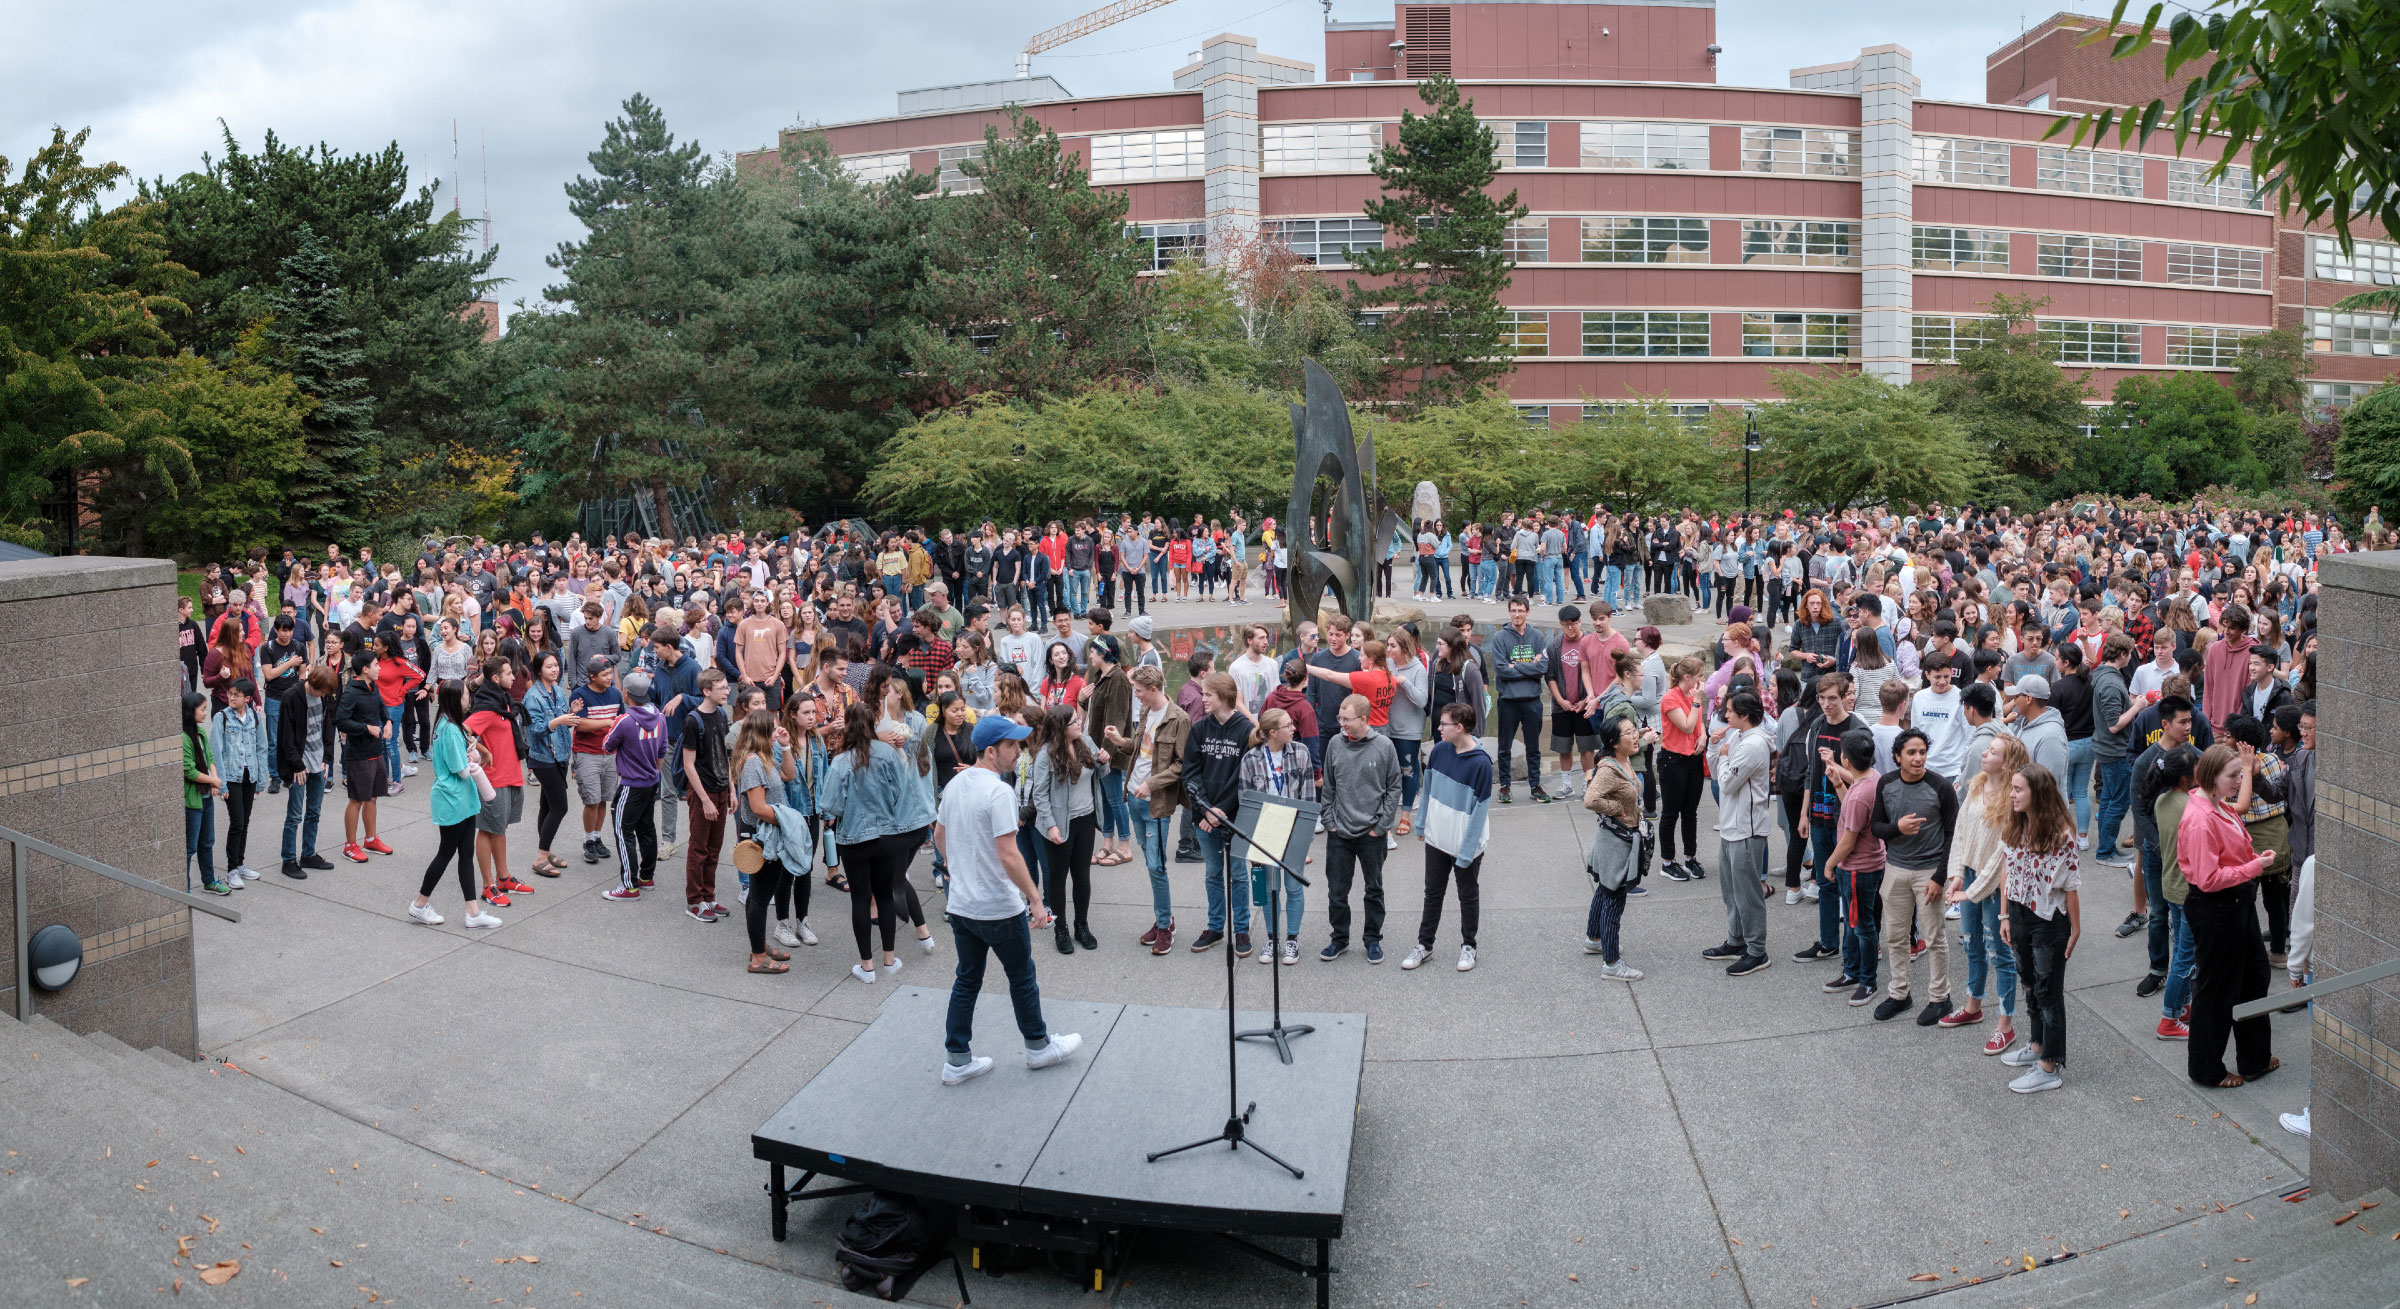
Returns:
(1235, 1133)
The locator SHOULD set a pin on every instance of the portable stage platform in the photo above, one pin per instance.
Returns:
(1063, 1149)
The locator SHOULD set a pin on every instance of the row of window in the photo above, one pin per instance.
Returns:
(1537, 415)
(1936, 337)
(2083, 172)
(2350, 334)
(1672, 333)
(2375, 262)
(2105, 258)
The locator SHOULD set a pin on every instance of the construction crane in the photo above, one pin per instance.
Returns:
(1075, 28)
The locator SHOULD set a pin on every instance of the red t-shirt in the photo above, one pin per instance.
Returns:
(1673, 739)
(1378, 687)
(494, 732)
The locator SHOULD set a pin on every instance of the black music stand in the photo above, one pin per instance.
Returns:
(1303, 833)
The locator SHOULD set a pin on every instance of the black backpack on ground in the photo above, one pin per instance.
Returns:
(889, 1242)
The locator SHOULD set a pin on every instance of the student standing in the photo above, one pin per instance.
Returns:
(1219, 737)
(1741, 760)
(1915, 813)
(1065, 805)
(1858, 861)
(550, 719)
(864, 792)
(1278, 764)
(1454, 807)
(1615, 794)
(761, 749)
(706, 766)
(637, 742)
(592, 710)
(2045, 919)
(497, 724)
(200, 787)
(304, 754)
(1972, 886)
(1361, 803)
(238, 737)
(2229, 958)
(1154, 789)
(455, 802)
(365, 776)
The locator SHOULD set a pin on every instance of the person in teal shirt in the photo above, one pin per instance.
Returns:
(456, 800)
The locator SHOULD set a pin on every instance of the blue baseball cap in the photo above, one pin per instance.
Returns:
(992, 729)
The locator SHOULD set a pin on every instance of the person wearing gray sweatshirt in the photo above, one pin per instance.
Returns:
(1361, 801)
(1065, 793)
(2039, 726)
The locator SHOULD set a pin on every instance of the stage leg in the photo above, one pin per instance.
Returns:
(778, 1201)
(1324, 1273)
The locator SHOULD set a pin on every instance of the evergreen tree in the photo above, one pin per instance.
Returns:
(1444, 261)
(311, 337)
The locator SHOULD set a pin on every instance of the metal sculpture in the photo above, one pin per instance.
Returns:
(1335, 550)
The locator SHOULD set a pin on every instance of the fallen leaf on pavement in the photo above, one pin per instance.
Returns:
(335, 1262)
(224, 1272)
(2124, 1213)
(1924, 1277)
(77, 1281)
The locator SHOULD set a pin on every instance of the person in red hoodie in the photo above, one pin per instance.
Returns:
(2225, 666)
(497, 724)
(396, 679)
(1292, 698)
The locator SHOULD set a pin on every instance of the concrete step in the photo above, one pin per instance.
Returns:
(2354, 1266)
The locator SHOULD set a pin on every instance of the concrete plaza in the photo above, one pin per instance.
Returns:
(1528, 1131)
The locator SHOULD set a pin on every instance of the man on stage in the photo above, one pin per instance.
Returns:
(989, 892)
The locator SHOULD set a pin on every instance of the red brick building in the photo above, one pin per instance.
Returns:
(1686, 238)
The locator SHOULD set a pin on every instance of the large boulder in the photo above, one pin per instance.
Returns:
(1667, 610)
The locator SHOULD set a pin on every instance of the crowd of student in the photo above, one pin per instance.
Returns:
(2034, 680)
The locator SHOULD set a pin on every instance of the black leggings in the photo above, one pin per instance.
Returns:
(553, 778)
(457, 838)
(1795, 850)
(876, 869)
(1680, 781)
(1070, 866)
(769, 882)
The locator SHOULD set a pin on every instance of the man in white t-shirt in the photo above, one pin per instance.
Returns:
(1255, 671)
(1936, 711)
(989, 892)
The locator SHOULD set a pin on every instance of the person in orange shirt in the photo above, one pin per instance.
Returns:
(762, 645)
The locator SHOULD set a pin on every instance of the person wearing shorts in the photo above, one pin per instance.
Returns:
(494, 724)
(592, 709)
(360, 719)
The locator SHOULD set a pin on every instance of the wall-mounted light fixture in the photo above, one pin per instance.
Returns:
(56, 954)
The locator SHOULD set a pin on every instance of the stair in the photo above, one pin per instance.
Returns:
(2287, 1254)
(112, 1155)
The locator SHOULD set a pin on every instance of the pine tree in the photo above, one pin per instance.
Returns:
(1444, 261)
(311, 338)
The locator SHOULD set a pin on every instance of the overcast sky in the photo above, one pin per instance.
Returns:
(533, 80)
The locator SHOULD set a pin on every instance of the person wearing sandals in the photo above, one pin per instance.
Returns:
(2229, 957)
(1973, 884)
(551, 754)
(1614, 793)
(758, 776)
(456, 802)
(2044, 918)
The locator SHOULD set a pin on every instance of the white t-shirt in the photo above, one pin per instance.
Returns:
(1141, 757)
(977, 809)
(1255, 676)
(1944, 723)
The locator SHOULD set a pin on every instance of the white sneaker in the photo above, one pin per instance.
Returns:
(1809, 892)
(408, 770)
(1061, 1045)
(1951, 913)
(1417, 956)
(893, 966)
(2083, 843)
(1391, 840)
(783, 935)
(424, 913)
(1466, 958)
(926, 944)
(866, 975)
(2023, 1056)
(1791, 895)
(246, 873)
(2296, 1124)
(482, 918)
(1320, 826)
(1618, 972)
(1291, 953)
(2036, 1078)
(233, 879)
(953, 1074)
(742, 893)
(807, 937)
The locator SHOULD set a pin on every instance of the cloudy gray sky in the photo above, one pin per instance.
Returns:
(534, 79)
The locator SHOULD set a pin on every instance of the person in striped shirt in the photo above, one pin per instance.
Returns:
(1454, 809)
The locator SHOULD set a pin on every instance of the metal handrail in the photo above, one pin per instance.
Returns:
(19, 843)
(2316, 990)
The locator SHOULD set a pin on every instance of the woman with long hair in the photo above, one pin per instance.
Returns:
(201, 786)
(2229, 957)
(898, 723)
(1061, 683)
(451, 654)
(1816, 634)
(1682, 773)
(2044, 918)
(758, 778)
(456, 799)
(1278, 764)
(228, 661)
(1065, 806)
(417, 717)
(1615, 794)
(1974, 878)
(398, 679)
(978, 674)
(539, 635)
(552, 744)
(864, 792)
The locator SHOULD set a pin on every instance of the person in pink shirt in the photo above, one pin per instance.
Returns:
(2229, 958)
(2225, 665)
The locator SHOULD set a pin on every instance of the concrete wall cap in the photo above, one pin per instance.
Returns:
(2376, 573)
(37, 579)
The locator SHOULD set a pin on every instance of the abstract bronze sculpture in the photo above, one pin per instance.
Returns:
(1336, 549)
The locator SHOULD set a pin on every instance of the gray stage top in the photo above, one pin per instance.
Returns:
(1070, 1140)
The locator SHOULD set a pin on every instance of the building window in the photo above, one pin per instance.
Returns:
(2104, 258)
(1520, 145)
(1143, 156)
(1645, 240)
(2088, 172)
(1536, 416)
(1934, 338)
(1799, 336)
(2229, 267)
(1631, 332)
(2338, 395)
(1690, 415)
(1528, 241)
(1525, 331)
(876, 168)
(1319, 147)
(2205, 347)
(1822, 151)
(1959, 249)
(2368, 261)
(1168, 244)
(1645, 145)
(1791, 241)
(2090, 343)
(1948, 159)
(2350, 334)
(953, 181)
(1326, 240)
(2187, 181)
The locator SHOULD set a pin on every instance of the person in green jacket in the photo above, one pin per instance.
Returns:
(200, 786)
(456, 801)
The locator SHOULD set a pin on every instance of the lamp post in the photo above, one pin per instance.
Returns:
(1750, 446)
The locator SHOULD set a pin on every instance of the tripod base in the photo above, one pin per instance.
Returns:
(1281, 1035)
(1234, 1135)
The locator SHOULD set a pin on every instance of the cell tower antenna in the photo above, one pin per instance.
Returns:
(485, 147)
(454, 209)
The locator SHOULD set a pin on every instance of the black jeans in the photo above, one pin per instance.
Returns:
(2274, 895)
(553, 778)
(239, 797)
(977, 938)
(2229, 967)
(1134, 599)
(1795, 850)
(2042, 965)
(1069, 869)
(1345, 857)
(457, 839)
(766, 886)
(1525, 716)
(1439, 868)
(1680, 782)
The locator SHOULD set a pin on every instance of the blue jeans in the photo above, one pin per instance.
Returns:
(1412, 767)
(1487, 577)
(1079, 591)
(1575, 571)
(2116, 786)
(1214, 856)
(300, 812)
(1262, 893)
(1012, 940)
(2162, 937)
(1158, 573)
(1613, 584)
(1151, 834)
(200, 840)
(1708, 589)
(1822, 837)
(2179, 971)
(391, 747)
(1552, 591)
(2079, 781)
(1113, 820)
(1979, 927)
(274, 708)
(1441, 574)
